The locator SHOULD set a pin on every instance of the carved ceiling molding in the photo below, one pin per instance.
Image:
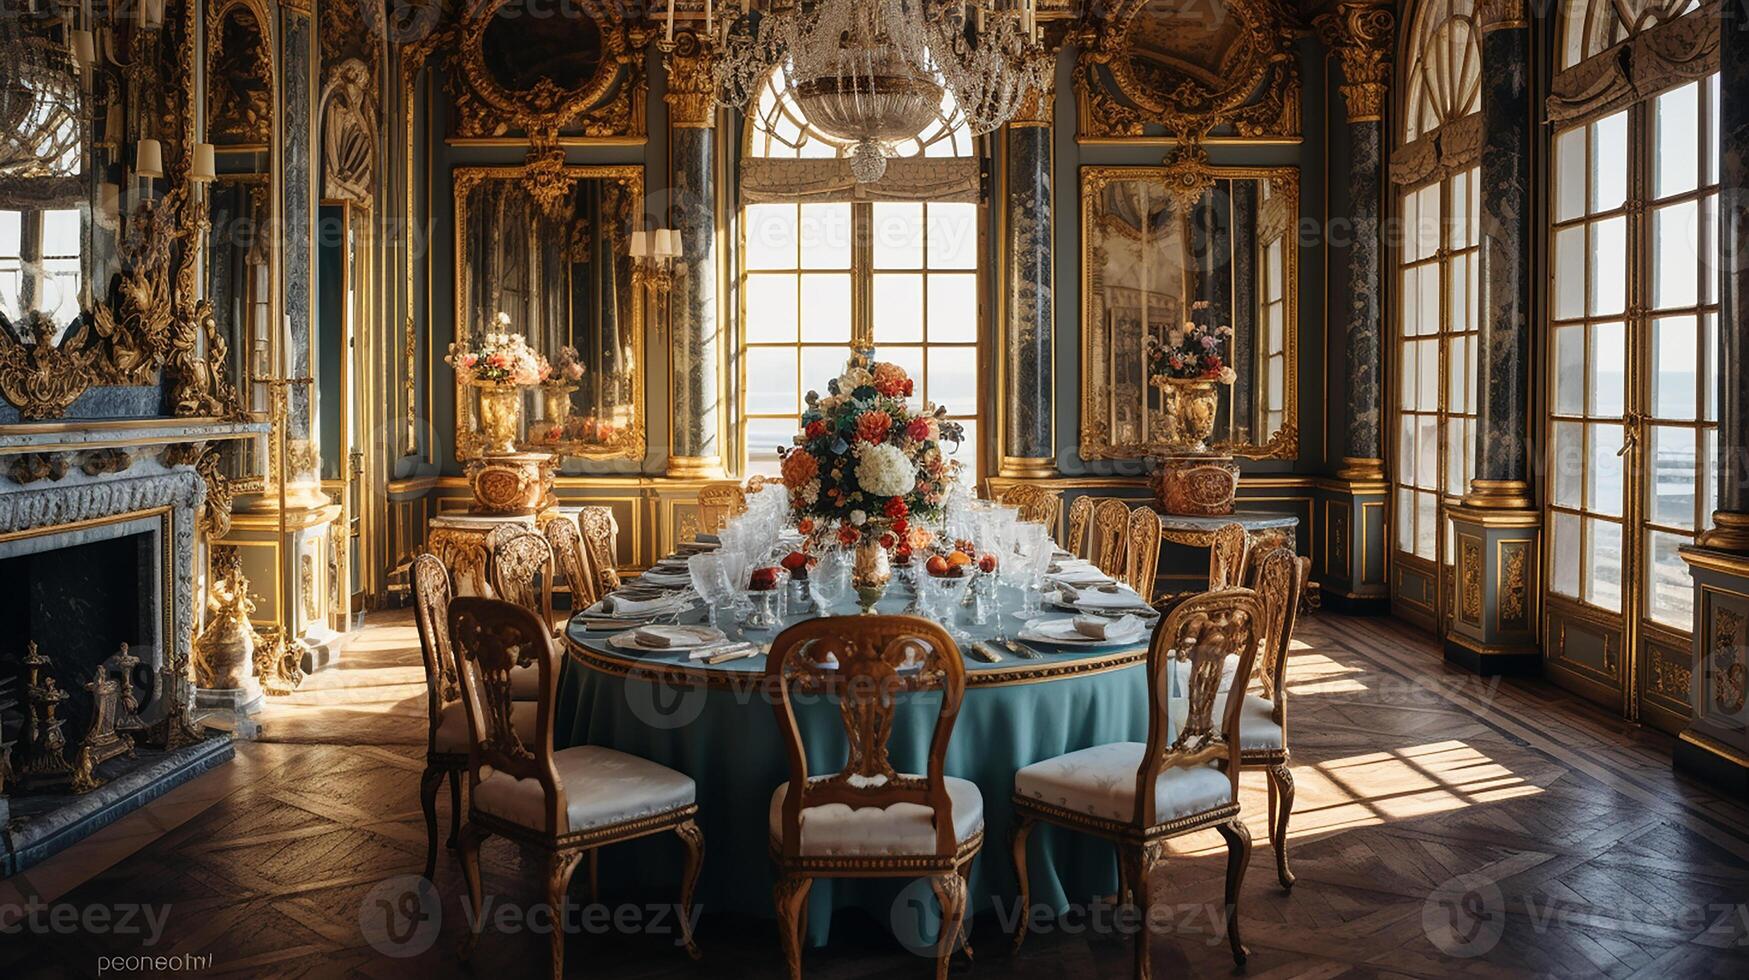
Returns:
(1250, 88)
(608, 105)
(1360, 33)
(239, 65)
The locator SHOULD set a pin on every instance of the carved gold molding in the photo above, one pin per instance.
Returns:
(1360, 36)
(1497, 15)
(691, 87)
(1256, 92)
(608, 104)
(239, 83)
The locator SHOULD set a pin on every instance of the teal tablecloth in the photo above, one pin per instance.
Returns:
(728, 741)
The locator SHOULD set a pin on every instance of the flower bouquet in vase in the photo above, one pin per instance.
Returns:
(1189, 367)
(557, 383)
(497, 364)
(868, 470)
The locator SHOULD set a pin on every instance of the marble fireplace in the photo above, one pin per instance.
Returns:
(98, 547)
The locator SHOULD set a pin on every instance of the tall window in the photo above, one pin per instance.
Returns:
(1434, 335)
(39, 264)
(821, 275)
(1635, 295)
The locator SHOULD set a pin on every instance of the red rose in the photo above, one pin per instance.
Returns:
(805, 525)
(918, 430)
(910, 386)
(847, 535)
(900, 526)
(887, 540)
(795, 561)
(763, 579)
(896, 507)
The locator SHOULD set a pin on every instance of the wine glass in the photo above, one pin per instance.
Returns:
(831, 579)
(710, 581)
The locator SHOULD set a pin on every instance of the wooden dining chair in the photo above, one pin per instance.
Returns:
(1142, 552)
(446, 736)
(869, 820)
(1037, 504)
(562, 804)
(1185, 778)
(718, 503)
(1278, 576)
(570, 561)
(1227, 556)
(599, 532)
(1080, 522)
(1111, 528)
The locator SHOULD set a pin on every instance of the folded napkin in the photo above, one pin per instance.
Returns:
(716, 649)
(1120, 598)
(663, 636)
(708, 539)
(622, 606)
(655, 577)
(1079, 573)
(1100, 628)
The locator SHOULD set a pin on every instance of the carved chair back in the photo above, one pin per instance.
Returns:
(522, 572)
(1037, 504)
(570, 561)
(491, 638)
(1278, 576)
(1142, 554)
(431, 597)
(598, 530)
(1227, 557)
(1080, 520)
(717, 504)
(1200, 632)
(1111, 525)
(865, 664)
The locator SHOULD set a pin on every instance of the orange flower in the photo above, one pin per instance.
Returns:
(799, 467)
(874, 426)
(890, 379)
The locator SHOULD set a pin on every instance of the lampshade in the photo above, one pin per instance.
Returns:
(151, 14)
(204, 166)
(84, 49)
(149, 159)
(639, 246)
(112, 124)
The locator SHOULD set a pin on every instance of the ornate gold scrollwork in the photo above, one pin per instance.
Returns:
(604, 99)
(1146, 64)
(1360, 35)
(239, 58)
(43, 378)
(691, 88)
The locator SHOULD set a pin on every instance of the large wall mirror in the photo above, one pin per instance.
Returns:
(548, 249)
(1161, 245)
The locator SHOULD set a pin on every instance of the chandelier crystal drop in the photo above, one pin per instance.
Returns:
(871, 73)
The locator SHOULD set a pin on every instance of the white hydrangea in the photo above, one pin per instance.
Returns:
(854, 378)
(885, 471)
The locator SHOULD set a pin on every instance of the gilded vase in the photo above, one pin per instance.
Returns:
(871, 570)
(500, 418)
(555, 399)
(1190, 405)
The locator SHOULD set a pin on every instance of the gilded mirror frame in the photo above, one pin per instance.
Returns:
(631, 442)
(1186, 175)
(154, 326)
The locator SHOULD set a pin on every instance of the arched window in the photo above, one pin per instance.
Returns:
(826, 263)
(1633, 322)
(1591, 27)
(1434, 333)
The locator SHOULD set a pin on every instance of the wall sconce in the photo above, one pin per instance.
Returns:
(204, 170)
(149, 159)
(84, 49)
(151, 14)
(653, 255)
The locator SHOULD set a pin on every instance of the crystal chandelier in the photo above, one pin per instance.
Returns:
(873, 72)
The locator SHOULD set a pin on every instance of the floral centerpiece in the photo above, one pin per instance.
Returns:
(498, 364)
(556, 386)
(1187, 367)
(866, 467)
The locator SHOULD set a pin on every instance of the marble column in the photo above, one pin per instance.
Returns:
(1715, 745)
(1354, 559)
(1029, 296)
(695, 347)
(1360, 36)
(1497, 528)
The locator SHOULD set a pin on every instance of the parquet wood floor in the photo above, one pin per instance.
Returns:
(1445, 825)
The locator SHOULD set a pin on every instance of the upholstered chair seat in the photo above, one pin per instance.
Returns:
(452, 725)
(603, 788)
(1258, 729)
(837, 829)
(1101, 782)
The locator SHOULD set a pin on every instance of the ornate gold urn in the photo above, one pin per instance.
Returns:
(1190, 406)
(500, 417)
(555, 401)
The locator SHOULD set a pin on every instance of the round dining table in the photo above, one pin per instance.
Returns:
(715, 723)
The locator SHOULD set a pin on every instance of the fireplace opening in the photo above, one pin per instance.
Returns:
(79, 603)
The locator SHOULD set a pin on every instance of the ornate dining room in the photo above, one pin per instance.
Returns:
(479, 479)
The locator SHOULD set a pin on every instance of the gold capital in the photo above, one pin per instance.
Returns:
(1359, 33)
(691, 96)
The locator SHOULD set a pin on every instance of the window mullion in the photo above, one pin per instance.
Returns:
(861, 275)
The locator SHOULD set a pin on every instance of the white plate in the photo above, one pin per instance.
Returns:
(1063, 633)
(698, 636)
